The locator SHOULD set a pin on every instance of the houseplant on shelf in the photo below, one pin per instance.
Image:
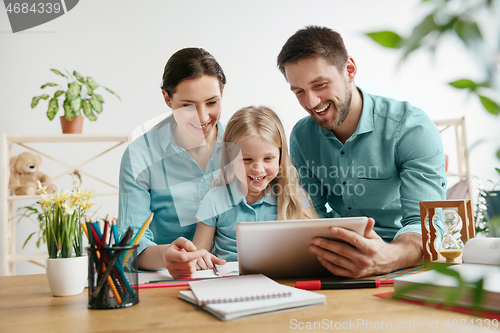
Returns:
(67, 267)
(78, 98)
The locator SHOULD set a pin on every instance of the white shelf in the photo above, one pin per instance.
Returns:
(34, 197)
(28, 256)
(67, 138)
(9, 255)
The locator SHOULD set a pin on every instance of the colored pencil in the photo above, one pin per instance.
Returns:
(138, 238)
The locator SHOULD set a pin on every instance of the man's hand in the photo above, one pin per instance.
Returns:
(368, 255)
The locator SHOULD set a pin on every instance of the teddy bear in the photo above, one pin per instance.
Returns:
(24, 175)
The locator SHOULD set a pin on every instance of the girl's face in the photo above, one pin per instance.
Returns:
(196, 106)
(262, 162)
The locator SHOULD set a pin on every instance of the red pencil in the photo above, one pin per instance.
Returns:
(163, 285)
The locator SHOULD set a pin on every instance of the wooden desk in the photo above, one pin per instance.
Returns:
(26, 305)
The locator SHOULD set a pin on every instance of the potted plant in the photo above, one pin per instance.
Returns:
(67, 267)
(79, 98)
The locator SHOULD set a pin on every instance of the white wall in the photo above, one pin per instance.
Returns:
(124, 45)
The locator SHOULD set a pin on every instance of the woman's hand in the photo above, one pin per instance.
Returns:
(181, 257)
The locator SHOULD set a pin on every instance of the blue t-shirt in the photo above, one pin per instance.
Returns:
(393, 161)
(157, 175)
(225, 206)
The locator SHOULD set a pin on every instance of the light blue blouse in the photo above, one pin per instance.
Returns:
(157, 175)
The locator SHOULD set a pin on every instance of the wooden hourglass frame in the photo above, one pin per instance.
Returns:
(429, 232)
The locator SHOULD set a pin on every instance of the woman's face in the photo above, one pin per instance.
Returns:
(196, 106)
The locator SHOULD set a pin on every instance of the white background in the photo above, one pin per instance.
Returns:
(124, 45)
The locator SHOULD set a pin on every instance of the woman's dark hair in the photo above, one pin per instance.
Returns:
(190, 63)
(313, 41)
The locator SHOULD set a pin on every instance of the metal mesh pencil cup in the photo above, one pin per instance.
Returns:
(112, 284)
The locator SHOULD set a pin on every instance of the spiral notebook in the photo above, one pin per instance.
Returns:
(237, 289)
(228, 311)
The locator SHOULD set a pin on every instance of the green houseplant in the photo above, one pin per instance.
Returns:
(78, 98)
(60, 221)
(66, 267)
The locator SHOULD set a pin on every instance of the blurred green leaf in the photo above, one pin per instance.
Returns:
(96, 104)
(36, 99)
(99, 97)
(68, 111)
(87, 111)
(58, 73)
(76, 104)
(464, 84)
(91, 82)
(468, 31)
(498, 155)
(419, 32)
(79, 77)
(490, 105)
(90, 91)
(50, 84)
(384, 38)
(401, 293)
(111, 91)
(69, 74)
(53, 108)
(27, 239)
(74, 90)
(58, 93)
(479, 293)
(444, 270)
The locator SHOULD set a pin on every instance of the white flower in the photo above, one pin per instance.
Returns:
(69, 206)
(41, 189)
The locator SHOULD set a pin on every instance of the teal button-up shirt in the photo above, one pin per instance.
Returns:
(157, 175)
(393, 161)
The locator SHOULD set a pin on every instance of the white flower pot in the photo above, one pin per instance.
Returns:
(67, 276)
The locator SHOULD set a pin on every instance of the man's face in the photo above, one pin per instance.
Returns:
(321, 89)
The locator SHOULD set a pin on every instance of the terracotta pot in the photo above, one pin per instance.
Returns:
(73, 126)
(67, 276)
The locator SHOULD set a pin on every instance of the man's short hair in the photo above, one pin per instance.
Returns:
(313, 41)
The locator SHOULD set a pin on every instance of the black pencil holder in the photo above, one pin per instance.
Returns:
(113, 284)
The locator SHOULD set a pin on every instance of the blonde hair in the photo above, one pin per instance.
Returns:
(264, 123)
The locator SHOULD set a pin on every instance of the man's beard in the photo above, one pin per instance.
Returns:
(341, 112)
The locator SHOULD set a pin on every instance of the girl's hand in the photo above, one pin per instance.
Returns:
(207, 262)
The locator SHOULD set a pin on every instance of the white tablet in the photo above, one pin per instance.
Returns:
(280, 249)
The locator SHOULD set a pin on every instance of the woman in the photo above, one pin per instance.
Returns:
(169, 169)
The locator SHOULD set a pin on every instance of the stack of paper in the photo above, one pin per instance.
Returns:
(243, 296)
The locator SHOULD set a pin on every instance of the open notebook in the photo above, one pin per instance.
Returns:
(236, 297)
(237, 289)
(229, 269)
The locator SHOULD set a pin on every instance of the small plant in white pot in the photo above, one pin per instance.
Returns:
(78, 98)
(67, 267)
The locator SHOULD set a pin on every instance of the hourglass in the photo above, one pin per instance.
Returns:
(428, 210)
(451, 248)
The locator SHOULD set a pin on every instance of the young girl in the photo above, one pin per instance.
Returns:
(257, 183)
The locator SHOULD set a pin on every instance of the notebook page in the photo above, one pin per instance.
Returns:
(229, 269)
(236, 289)
(228, 311)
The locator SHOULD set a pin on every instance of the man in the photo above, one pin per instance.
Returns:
(360, 155)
